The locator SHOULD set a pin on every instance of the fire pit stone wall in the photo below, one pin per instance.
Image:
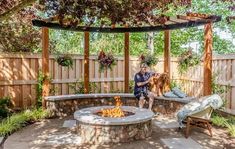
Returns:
(95, 129)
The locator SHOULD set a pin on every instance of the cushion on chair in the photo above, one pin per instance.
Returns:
(178, 92)
(170, 95)
(200, 106)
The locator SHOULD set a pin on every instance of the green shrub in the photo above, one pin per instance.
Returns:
(131, 86)
(228, 123)
(5, 103)
(19, 120)
(218, 121)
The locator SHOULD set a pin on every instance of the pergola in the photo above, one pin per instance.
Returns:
(178, 22)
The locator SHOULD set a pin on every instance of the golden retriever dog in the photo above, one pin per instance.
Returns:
(159, 84)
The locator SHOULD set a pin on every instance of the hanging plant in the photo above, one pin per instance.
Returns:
(106, 61)
(65, 60)
(148, 59)
(188, 59)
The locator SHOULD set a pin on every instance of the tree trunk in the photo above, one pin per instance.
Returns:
(150, 42)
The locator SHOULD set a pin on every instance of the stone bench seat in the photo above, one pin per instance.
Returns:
(110, 95)
(63, 105)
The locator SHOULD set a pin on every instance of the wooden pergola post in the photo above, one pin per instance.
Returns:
(86, 62)
(126, 61)
(208, 39)
(45, 64)
(167, 47)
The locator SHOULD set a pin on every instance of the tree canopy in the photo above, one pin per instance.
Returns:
(18, 34)
(108, 12)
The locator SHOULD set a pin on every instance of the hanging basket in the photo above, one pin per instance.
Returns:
(148, 59)
(187, 59)
(106, 61)
(65, 61)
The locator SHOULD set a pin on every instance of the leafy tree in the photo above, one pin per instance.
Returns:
(18, 34)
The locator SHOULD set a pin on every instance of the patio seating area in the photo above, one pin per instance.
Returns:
(117, 74)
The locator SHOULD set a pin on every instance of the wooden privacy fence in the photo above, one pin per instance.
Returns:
(19, 73)
(223, 76)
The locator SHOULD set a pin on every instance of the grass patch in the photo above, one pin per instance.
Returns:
(228, 123)
(19, 120)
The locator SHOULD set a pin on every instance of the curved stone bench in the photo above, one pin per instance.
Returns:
(64, 105)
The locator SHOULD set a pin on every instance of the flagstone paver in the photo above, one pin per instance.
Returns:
(166, 124)
(69, 123)
(181, 143)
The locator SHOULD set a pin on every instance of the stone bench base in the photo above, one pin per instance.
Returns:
(65, 105)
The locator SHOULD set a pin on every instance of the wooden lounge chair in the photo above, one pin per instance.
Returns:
(200, 119)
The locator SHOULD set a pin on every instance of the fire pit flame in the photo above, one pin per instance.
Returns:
(116, 111)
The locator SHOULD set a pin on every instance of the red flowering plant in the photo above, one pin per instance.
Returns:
(107, 61)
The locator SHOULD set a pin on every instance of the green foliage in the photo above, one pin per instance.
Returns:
(216, 88)
(18, 34)
(5, 103)
(131, 86)
(218, 120)
(78, 87)
(187, 59)
(173, 84)
(228, 123)
(19, 120)
(40, 80)
(65, 60)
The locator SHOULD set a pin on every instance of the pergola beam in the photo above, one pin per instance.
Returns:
(208, 39)
(160, 27)
(45, 64)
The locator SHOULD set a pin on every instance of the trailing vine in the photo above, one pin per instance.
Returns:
(40, 80)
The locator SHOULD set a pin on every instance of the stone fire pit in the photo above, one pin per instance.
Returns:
(95, 129)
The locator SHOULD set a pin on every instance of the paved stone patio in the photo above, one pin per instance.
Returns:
(50, 134)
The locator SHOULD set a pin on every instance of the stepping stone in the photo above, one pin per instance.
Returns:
(1, 140)
(181, 143)
(69, 123)
(166, 124)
